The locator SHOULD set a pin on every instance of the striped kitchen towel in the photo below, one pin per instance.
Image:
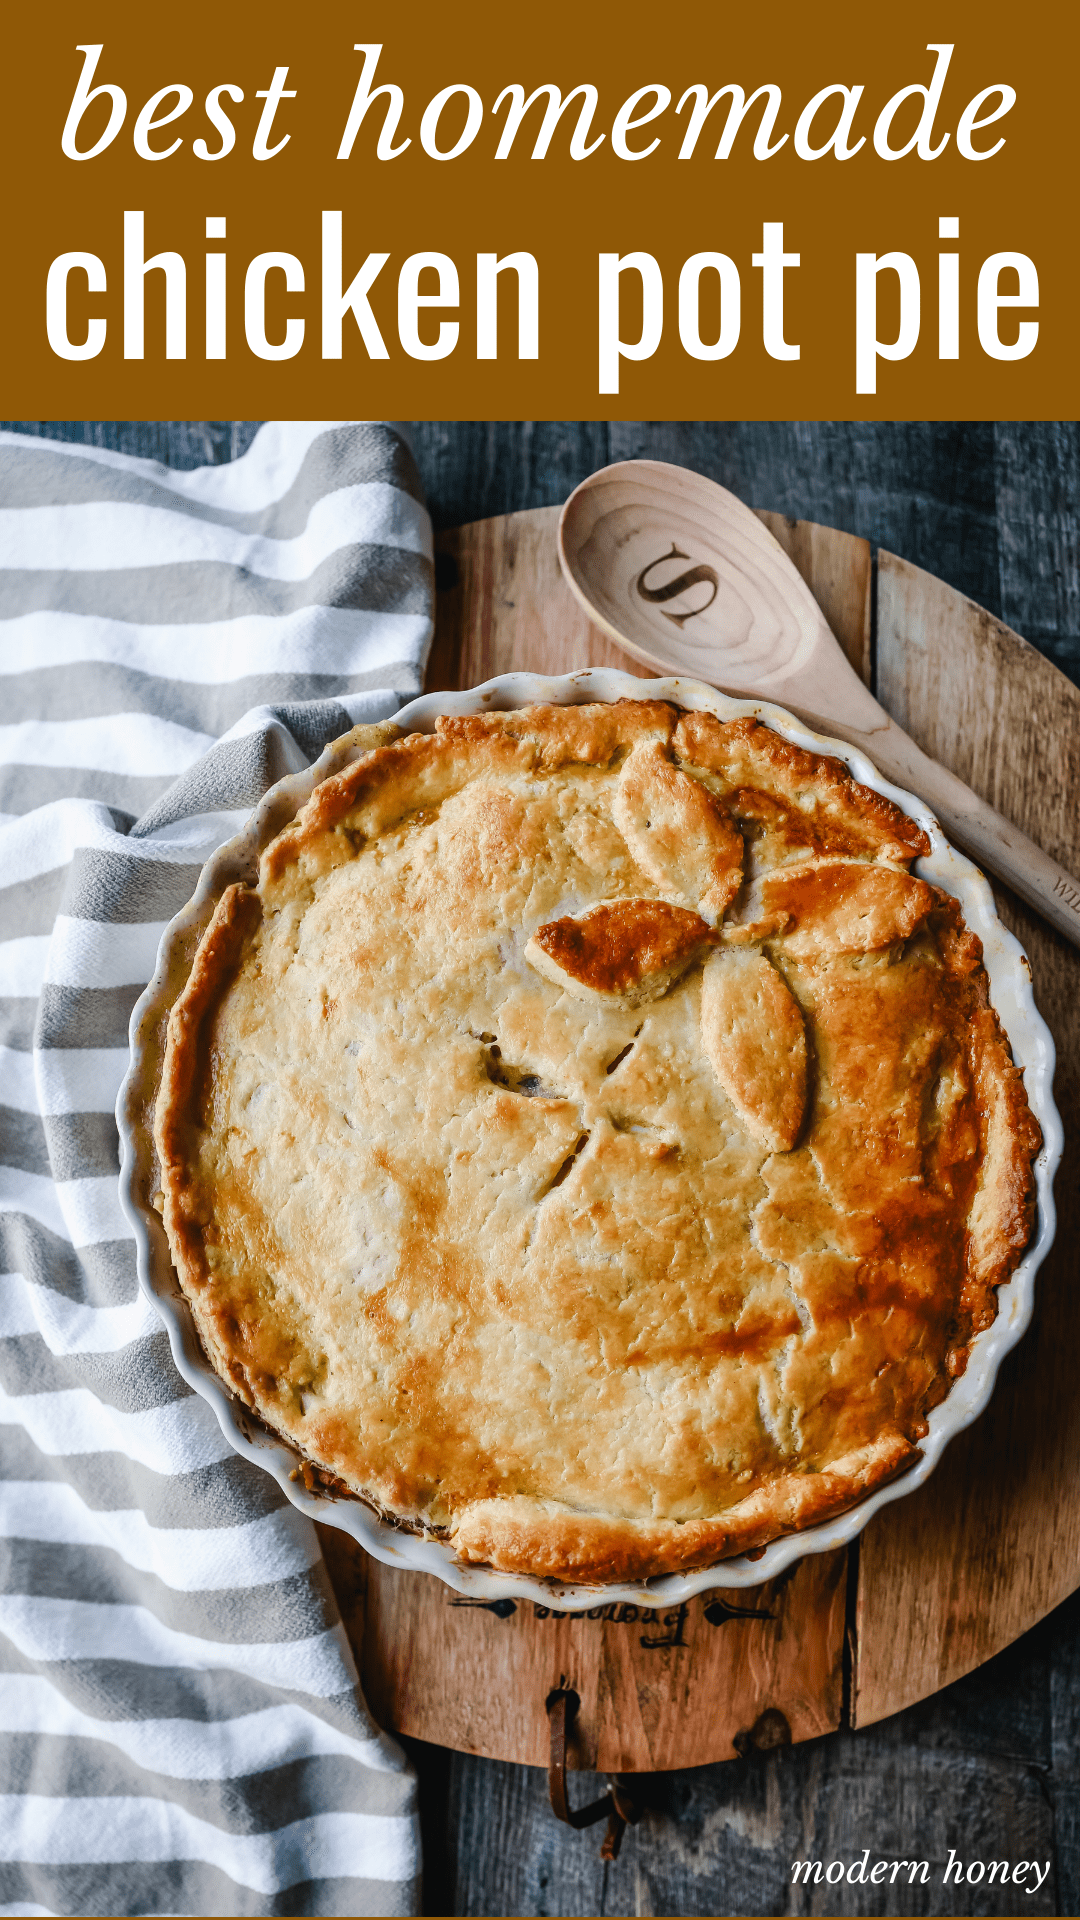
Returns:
(181, 1725)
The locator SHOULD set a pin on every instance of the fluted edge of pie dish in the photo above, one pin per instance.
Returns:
(1011, 995)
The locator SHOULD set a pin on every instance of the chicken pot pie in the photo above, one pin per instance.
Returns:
(588, 1142)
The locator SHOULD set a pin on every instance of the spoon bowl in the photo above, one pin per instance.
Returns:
(682, 575)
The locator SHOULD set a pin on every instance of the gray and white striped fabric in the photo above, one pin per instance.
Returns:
(181, 1725)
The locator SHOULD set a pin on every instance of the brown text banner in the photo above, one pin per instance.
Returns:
(500, 213)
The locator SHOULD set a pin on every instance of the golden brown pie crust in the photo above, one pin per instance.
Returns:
(588, 1142)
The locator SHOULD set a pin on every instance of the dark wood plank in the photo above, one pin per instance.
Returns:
(1037, 486)
(178, 443)
(1063, 1776)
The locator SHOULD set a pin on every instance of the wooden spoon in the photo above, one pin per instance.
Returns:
(687, 579)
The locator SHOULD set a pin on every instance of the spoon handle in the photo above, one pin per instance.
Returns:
(993, 841)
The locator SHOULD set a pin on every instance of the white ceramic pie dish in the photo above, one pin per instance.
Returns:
(1012, 997)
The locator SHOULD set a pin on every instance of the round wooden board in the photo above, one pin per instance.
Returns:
(939, 1581)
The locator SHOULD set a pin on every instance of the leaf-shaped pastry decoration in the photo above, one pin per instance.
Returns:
(626, 950)
(678, 834)
(753, 1032)
(843, 906)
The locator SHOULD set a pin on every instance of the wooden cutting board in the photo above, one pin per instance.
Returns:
(939, 1581)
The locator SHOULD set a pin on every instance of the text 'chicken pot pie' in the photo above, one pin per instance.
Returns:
(589, 1142)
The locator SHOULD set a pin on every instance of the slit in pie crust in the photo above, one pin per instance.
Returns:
(588, 1142)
